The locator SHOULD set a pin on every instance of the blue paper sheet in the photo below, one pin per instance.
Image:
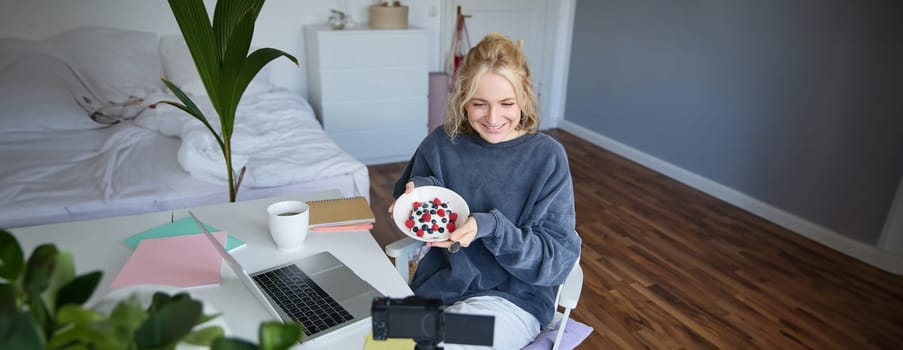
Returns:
(183, 226)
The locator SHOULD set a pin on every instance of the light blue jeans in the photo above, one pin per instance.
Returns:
(514, 327)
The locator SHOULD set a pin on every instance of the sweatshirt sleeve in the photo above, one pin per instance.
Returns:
(417, 170)
(543, 251)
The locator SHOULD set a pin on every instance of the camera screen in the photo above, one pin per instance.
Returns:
(425, 321)
(413, 323)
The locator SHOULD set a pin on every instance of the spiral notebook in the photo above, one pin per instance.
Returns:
(340, 212)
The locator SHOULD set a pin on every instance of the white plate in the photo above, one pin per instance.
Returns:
(404, 204)
(145, 294)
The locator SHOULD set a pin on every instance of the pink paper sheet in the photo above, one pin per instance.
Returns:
(179, 261)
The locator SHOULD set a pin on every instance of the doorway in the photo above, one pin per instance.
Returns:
(545, 28)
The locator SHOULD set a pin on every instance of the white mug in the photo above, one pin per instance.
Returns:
(288, 222)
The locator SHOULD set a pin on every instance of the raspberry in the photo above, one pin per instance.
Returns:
(431, 217)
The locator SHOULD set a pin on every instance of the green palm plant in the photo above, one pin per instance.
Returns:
(42, 306)
(220, 53)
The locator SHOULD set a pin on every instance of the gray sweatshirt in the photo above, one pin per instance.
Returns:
(521, 195)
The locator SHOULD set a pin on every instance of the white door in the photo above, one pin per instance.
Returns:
(517, 19)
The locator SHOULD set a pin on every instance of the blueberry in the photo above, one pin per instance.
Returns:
(433, 211)
(435, 206)
(444, 205)
(441, 230)
(424, 226)
(424, 205)
(434, 221)
(414, 228)
(421, 220)
(419, 212)
(429, 230)
(444, 220)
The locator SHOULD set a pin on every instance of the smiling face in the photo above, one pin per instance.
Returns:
(493, 111)
(493, 93)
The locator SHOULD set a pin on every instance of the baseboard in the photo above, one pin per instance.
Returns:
(869, 254)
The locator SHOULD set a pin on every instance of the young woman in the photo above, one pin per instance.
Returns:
(519, 242)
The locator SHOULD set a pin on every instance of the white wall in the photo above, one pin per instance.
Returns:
(280, 24)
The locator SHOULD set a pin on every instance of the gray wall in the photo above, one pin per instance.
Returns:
(798, 104)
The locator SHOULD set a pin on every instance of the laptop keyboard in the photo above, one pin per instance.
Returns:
(302, 299)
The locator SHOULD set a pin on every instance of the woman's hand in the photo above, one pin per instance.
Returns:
(408, 188)
(464, 235)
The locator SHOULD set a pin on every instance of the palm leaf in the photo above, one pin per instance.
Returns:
(225, 17)
(235, 55)
(191, 15)
(253, 64)
(219, 49)
(189, 107)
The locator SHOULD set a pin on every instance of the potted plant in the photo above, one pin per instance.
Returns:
(41, 307)
(220, 53)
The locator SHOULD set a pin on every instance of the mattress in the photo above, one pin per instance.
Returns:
(82, 134)
(51, 177)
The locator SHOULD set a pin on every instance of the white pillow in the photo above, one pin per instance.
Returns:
(118, 64)
(179, 68)
(40, 92)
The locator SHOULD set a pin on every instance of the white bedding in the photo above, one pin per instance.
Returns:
(57, 167)
(60, 176)
(276, 135)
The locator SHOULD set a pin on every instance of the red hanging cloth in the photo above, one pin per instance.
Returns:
(460, 45)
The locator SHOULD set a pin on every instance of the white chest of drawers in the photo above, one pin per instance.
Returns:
(370, 89)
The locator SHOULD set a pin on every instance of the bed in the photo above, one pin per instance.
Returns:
(81, 137)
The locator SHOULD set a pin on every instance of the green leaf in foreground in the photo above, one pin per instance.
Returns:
(204, 336)
(17, 331)
(276, 335)
(78, 290)
(224, 343)
(11, 256)
(39, 268)
(168, 323)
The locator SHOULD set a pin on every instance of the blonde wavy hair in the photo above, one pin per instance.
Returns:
(494, 54)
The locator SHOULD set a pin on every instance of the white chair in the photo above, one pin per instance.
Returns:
(405, 250)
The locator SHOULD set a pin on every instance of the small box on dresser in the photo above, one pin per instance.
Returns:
(369, 88)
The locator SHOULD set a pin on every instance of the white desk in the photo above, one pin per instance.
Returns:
(98, 245)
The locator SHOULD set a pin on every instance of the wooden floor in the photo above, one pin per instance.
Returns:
(669, 267)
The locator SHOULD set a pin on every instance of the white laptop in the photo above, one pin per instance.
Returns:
(317, 291)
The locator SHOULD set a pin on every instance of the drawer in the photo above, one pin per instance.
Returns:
(384, 145)
(361, 49)
(355, 84)
(376, 114)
